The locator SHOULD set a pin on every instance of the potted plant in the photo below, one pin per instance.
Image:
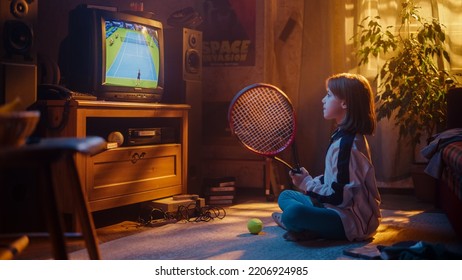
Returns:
(412, 81)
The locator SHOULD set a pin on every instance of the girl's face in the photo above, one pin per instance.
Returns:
(334, 108)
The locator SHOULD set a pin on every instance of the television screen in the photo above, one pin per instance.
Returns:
(116, 56)
(132, 55)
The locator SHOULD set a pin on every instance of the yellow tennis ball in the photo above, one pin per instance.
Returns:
(254, 225)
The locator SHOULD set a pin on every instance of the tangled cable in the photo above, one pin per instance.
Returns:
(189, 213)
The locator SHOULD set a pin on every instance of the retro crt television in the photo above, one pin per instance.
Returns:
(115, 56)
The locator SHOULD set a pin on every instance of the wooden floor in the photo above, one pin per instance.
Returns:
(124, 221)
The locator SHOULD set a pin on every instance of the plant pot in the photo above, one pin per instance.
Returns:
(424, 184)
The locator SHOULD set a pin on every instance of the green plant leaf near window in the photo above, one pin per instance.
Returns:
(412, 81)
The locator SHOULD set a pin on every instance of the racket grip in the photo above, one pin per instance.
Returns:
(294, 170)
(297, 170)
(297, 162)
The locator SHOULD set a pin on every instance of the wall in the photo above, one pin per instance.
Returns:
(52, 29)
(317, 46)
(223, 156)
(278, 62)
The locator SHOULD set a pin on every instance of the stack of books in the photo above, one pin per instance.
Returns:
(220, 191)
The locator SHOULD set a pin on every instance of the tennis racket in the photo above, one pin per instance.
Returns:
(262, 118)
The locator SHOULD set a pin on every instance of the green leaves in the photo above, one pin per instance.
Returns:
(411, 85)
(374, 40)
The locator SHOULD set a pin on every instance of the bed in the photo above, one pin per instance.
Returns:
(449, 192)
(450, 185)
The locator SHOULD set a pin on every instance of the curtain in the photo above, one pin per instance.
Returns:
(325, 30)
(328, 48)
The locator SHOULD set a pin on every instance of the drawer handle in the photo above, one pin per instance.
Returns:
(136, 157)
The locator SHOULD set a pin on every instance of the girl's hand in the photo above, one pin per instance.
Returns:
(297, 178)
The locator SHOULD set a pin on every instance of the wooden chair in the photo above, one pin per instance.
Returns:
(43, 156)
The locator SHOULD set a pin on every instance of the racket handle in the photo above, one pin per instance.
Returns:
(284, 162)
(297, 170)
(297, 162)
(294, 170)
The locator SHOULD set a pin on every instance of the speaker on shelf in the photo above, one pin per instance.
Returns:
(18, 54)
(183, 85)
(183, 63)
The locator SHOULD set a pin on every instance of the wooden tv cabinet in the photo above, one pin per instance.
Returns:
(130, 173)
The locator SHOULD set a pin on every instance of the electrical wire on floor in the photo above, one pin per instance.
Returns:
(191, 213)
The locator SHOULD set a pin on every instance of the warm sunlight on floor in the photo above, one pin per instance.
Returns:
(396, 226)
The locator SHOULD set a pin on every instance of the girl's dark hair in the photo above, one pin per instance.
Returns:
(357, 93)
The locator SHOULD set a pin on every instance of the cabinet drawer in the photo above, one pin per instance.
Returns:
(125, 172)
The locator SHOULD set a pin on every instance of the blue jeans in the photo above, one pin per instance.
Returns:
(299, 214)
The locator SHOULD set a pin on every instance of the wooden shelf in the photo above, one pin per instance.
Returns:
(127, 174)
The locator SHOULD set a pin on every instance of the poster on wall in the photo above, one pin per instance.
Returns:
(228, 32)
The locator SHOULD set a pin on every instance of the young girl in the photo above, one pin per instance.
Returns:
(343, 203)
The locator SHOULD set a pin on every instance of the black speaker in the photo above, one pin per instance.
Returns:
(183, 62)
(18, 55)
(183, 85)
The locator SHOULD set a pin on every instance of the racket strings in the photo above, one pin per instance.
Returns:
(263, 120)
